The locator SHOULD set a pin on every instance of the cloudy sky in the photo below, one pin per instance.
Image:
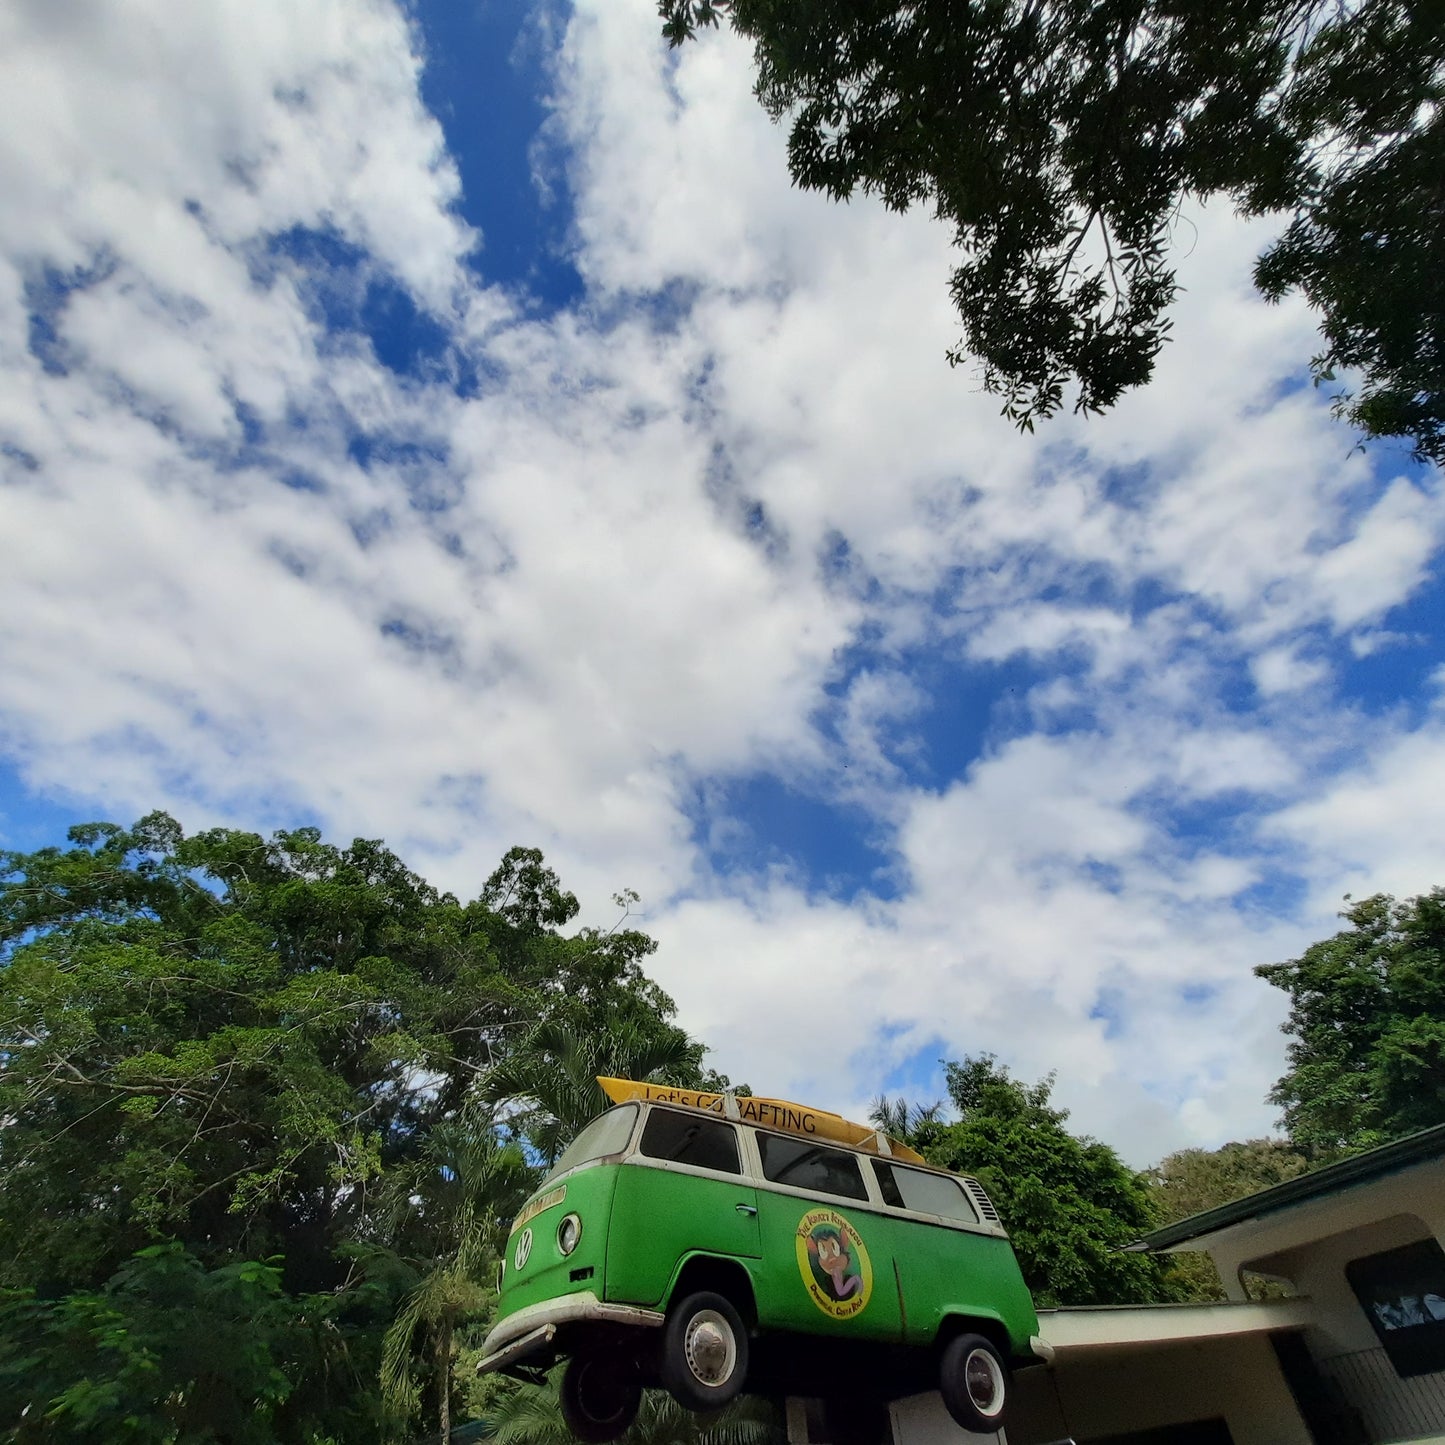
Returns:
(446, 424)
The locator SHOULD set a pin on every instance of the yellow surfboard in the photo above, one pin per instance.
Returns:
(770, 1113)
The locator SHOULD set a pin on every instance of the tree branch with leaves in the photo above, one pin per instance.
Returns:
(1059, 139)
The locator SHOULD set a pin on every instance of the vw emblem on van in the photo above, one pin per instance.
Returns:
(524, 1248)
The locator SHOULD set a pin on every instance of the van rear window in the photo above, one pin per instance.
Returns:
(686, 1139)
(805, 1165)
(906, 1188)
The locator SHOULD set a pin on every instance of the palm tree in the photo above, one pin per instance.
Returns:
(532, 1415)
(452, 1203)
(551, 1077)
(901, 1120)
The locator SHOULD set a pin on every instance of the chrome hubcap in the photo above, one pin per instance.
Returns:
(983, 1379)
(712, 1353)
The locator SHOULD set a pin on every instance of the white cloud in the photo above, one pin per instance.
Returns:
(652, 558)
(1386, 558)
(1376, 827)
(1282, 669)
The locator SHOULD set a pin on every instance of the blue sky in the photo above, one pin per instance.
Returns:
(447, 424)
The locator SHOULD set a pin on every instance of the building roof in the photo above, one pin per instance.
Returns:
(1346, 1173)
(1125, 1327)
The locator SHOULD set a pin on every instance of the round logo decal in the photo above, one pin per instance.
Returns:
(524, 1248)
(834, 1263)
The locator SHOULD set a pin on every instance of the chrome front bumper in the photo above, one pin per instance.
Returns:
(533, 1328)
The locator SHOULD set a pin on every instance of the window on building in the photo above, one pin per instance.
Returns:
(688, 1139)
(806, 1165)
(1402, 1291)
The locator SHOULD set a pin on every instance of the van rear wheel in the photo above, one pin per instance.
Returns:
(600, 1395)
(704, 1361)
(974, 1383)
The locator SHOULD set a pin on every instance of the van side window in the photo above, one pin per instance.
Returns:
(686, 1139)
(806, 1165)
(906, 1188)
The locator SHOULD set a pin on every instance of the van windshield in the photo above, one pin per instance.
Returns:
(607, 1134)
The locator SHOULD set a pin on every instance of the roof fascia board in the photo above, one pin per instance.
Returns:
(1346, 1173)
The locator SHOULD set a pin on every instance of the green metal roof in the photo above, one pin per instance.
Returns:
(1357, 1169)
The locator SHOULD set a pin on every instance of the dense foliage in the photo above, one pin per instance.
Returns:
(245, 1079)
(1059, 138)
(1190, 1181)
(1367, 1028)
(1069, 1202)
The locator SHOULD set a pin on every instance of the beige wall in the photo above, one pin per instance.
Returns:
(1110, 1392)
(1339, 1325)
(1311, 1245)
(1292, 1233)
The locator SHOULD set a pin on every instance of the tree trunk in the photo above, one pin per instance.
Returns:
(444, 1378)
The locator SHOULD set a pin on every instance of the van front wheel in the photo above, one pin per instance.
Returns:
(973, 1381)
(601, 1392)
(704, 1361)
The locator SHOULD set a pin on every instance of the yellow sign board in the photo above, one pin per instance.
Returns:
(768, 1113)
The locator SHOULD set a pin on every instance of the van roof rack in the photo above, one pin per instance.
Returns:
(769, 1113)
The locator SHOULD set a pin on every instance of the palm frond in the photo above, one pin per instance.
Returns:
(550, 1080)
(529, 1415)
(532, 1415)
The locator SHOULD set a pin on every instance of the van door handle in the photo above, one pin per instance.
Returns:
(747, 1208)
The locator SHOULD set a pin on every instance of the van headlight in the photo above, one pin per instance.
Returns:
(569, 1231)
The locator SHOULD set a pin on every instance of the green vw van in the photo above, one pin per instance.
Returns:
(713, 1245)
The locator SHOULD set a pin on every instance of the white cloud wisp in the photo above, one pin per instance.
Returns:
(730, 517)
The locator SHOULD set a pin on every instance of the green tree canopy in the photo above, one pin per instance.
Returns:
(1069, 1202)
(1189, 1181)
(260, 1057)
(552, 1074)
(1059, 138)
(167, 1350)
(1367, 1024)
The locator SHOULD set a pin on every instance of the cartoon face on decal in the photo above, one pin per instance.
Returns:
(834, 1263)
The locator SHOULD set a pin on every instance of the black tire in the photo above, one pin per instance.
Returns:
(601, 1392)
(704, 1360)
(974, 1383)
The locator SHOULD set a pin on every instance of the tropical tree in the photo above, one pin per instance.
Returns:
(1189, 1181)
(449, 1212)
(901, 1120)
(550, 1078)
(263, 1054)
(1367, 1028)
(1058, 140)
(1069, 1202)
(167, 1350)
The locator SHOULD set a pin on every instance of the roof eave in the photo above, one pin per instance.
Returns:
(1357, 1169)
